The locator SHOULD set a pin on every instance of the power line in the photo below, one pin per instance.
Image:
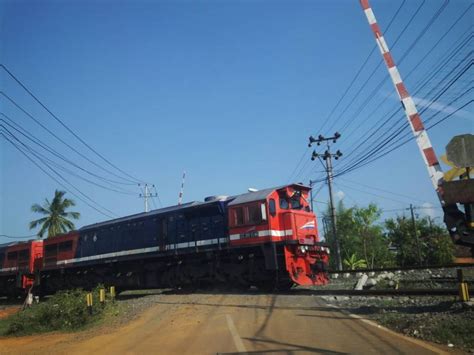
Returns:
(35, 140)
(408, 51)
(382, 82)
(64, 125)
(433, 72)
(157, 196)
(380, 141)
(400, 144)
(403, 125)
(371, 193)
(359, 71)
(382, 190)
(297, 165)
(451, 53)
(63, 141)
(361, 68)
(60, 176)
(18, 237)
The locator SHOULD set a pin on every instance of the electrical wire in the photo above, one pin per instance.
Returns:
(62, 140)
(404, 123)
(371, 75)
(18, 237)
(408, 51)
(451, 53)
(359, 71)
(38, 142)
(60, 176)
(19, 82)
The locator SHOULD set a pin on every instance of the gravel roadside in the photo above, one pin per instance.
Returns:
(442, 320)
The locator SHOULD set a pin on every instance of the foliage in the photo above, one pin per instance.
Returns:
(360, 234)
(66, 310)
(56, 220)
(354, 263)
(363, 236)
(430, 246)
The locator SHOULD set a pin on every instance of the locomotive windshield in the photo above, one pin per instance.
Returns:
(293, 202)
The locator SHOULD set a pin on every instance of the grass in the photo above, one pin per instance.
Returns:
(65, 311)
(459, 332)
(455, 328)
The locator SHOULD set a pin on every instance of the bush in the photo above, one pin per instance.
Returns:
(66, 310)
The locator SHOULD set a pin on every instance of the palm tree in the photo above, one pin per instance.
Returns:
(56, 218)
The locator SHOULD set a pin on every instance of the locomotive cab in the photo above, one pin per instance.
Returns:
(281, 218)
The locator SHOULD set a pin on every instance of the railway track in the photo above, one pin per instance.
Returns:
(387, 292)
(395, 269)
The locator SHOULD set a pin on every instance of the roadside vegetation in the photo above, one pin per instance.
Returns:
(367, 241)
(64, 311)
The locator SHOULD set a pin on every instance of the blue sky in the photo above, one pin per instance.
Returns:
(227, 90)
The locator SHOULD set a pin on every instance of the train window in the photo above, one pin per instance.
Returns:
(295, 202)
(284, 204)
(238, 216)
(254, 213)
(12, 255)
(23, 255)
(65, 246)
(263, 209)
(164, 228)
(272, 207)
(50, 250)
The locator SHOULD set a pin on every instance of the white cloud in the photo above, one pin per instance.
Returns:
(439, 106)
(428, 210)
(340, 195)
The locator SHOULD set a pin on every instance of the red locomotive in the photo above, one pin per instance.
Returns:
(267, 238)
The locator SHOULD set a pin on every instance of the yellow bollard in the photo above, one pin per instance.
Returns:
(464, 291)
(463, 287)
(89, 302)
(112, 292)
(102, 296)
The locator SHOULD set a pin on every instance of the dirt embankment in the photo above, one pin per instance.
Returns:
(8, 311)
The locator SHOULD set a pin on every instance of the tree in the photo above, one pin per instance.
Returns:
(435, 246)
(360, 234)
(56, 220)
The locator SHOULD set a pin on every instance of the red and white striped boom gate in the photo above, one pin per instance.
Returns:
(453, 218)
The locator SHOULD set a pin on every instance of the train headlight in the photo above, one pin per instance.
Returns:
(303, 248)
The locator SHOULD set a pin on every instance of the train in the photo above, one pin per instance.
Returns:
(266, 238)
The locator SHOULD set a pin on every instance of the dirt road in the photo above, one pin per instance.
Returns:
(230, 324)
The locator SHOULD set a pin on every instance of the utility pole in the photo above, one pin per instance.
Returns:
(311, 183)
(413, 221)
(146, 195)
(180, 196)
(327, 156)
